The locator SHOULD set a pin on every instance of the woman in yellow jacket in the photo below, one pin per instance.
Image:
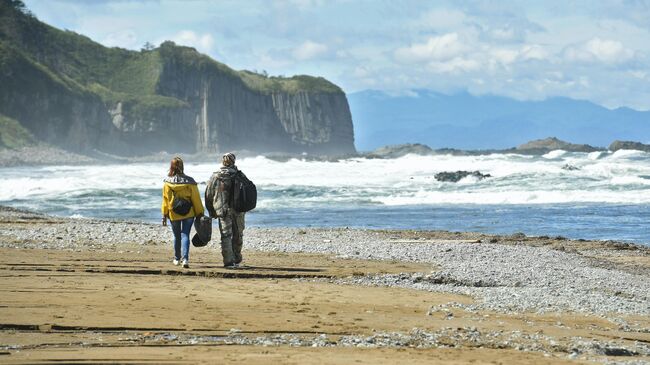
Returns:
(181, 202)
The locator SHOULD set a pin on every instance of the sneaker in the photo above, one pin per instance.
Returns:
(176, 262)
(230, 266)
(186, 265)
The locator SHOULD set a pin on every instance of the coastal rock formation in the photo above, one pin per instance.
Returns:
(629, 145)
(456, 176)
(546, 145)
(74, 93)
(400, 150)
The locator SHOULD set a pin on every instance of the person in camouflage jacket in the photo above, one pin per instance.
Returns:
(218, 202)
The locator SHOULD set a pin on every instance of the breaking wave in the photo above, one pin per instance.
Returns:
(403, 185)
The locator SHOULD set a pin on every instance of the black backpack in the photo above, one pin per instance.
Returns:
(180, 206)
(244, 193)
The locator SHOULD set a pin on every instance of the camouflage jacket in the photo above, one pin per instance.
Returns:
(218, 192)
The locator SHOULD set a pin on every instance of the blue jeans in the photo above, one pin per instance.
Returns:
(181, 229)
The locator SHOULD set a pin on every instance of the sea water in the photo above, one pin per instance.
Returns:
(599, 195)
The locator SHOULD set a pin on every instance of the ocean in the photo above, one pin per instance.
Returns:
(606, 196)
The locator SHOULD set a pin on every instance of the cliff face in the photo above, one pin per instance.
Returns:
(52, 111)
(77, 94)
(318, 121)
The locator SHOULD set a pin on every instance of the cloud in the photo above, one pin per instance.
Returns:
(439, 48)
(309, 50)
(533, 52)
(504, 56)
(455, 65)
(442, 19)
(599, 50)
(123, 38)
(202, 42)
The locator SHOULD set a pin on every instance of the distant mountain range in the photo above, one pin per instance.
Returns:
(465, 121)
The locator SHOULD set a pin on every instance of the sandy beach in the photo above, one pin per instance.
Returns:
(98, 291)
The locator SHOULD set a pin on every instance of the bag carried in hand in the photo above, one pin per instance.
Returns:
(203, 228)
(244, 193)
(181, 206)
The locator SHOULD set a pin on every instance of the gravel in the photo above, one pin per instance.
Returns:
(507, 278)
(447, 337)
(503, 278)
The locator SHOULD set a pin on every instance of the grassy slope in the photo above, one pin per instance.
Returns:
(13, 135)
(121, 71)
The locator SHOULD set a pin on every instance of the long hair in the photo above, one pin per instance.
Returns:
(175, 167)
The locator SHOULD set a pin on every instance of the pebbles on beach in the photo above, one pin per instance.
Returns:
(512, 276)
(504, 278)
(447, 337)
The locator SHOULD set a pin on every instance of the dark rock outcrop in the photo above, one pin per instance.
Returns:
(456, 176)
(629, 145)
(542, 146)
(570, 167)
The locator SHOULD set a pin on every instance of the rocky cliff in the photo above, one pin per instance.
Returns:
(72, 92)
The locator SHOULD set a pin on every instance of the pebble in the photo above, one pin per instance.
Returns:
(502, 278)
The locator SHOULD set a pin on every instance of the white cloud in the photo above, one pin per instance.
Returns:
(124, 38)
(504, 56)
(533, 52)
(599, 50)
(202, 42)
(506, 33)
(439, 48)
(442, 19)
(609, 51)
(455, 65)
(309, 50)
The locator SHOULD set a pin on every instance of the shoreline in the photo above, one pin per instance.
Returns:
(366, 294)
(548, 239)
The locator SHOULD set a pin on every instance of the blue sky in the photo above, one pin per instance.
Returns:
(593, 50)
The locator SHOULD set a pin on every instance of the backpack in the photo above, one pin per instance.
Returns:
(244, 197)
(180, 206)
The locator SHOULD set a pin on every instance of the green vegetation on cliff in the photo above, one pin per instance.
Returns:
(290, 85)
(72, 56)
(13, 135)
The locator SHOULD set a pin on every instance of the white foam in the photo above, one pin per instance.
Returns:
(516, 179)
(596, 155)
(629, 180)
(555, 154)
(629, 154)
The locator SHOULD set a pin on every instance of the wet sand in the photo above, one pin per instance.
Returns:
(127, 303)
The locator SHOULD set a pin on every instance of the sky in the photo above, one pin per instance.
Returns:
(528, 50)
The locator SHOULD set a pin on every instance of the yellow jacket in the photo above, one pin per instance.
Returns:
(180, 186)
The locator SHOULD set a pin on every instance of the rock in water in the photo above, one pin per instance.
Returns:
(546, 145)
(447, 176)
(570, 167)
(629, 145)
(400, 150)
